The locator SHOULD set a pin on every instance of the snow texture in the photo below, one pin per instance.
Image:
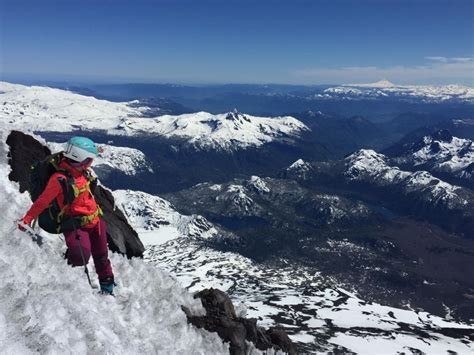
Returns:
(48, 307)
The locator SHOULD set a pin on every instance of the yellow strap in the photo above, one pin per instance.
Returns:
(88, 219)
(78, 191)
(61, 214)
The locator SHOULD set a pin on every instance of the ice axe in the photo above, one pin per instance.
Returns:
(25, 228)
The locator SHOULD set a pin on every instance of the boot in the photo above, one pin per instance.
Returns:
(107, 285)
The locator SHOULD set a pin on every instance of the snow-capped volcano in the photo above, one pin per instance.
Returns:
(384, 83)
(42, 109)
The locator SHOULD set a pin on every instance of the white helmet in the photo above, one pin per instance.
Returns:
(79, 149)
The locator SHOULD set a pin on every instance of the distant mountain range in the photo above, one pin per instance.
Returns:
(377, 101)
(385, 89)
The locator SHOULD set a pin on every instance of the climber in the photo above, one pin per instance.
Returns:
(66, 201)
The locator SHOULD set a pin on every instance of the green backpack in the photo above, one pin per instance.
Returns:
(52, 219)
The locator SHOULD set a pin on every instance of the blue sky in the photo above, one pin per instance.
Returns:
(298, 42)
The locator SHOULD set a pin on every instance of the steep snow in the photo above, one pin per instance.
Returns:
(130, 161)
(44, 109)
(315, 311)
(48, 307)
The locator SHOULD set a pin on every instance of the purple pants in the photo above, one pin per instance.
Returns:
(93, 240)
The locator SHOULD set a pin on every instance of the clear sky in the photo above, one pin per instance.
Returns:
(241, 41)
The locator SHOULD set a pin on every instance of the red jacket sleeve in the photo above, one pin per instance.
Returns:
(52, 190)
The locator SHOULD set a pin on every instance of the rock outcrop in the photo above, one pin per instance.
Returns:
(25, 150)
(221, 318)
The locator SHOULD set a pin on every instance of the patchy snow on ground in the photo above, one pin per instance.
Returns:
(314, 310)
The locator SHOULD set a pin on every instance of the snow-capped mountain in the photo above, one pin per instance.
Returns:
(224, 131)
(386, 89)
(450, 206)
(148, 213)
(300, 168)
(316, 312)
(262, 199)
(42, 109)
(438, 152)
(127, 160)
(372, 167)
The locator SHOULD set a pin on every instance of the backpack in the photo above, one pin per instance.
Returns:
(52, 219)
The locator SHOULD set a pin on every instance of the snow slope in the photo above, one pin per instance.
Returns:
(48, 307)
(315, 311)
(45, 109)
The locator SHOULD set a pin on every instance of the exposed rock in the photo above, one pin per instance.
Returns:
(25, 150)
(221, 318)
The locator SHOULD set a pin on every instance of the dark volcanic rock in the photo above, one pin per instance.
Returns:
(25, 150)
(121, 236)
(221, 318)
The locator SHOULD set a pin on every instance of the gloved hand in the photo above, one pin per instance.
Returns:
(25, 221)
